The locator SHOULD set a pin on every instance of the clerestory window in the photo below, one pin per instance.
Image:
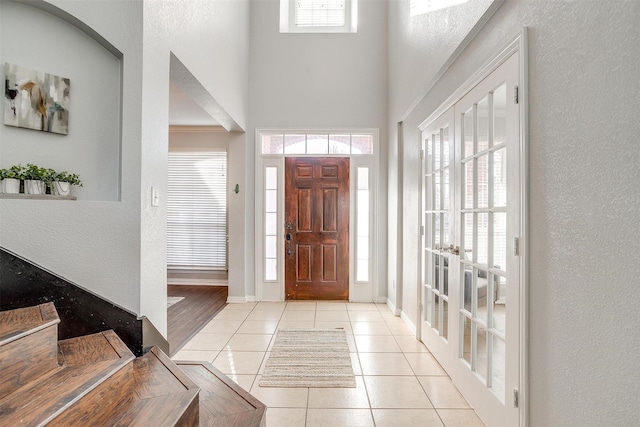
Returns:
(318, 16)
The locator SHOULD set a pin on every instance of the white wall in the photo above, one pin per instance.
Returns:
(234, 143)
(320, 81)
(89, 241)
(419, 46)
(117, 249)
(584, 202)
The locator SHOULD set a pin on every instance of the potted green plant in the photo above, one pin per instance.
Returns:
(61, 183)
(35, 179)
(10, 179)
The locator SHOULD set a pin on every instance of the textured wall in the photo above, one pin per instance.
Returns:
(584, 162)
(320, 80)
(418, 47)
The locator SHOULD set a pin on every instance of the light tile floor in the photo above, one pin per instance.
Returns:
(398, 382)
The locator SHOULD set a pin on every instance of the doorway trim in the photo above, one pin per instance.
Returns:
(273, 288)
(518, 45)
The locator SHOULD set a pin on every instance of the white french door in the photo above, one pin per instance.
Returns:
(472, 225)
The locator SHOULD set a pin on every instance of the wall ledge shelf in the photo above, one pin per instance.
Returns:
(35, 196)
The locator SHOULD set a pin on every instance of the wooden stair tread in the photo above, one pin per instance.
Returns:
(170, 410)
(157, 375)
(148, 391)
(17, 323)
(44, 399)
(28, 346)
(222, 401)
(93, 348)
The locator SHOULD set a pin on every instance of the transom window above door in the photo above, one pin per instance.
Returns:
(300, 143)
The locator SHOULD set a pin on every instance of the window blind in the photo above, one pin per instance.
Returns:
(320, 13)
(197, 210)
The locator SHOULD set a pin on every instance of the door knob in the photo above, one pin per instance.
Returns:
(288, 236)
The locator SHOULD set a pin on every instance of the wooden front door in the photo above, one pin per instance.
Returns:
(317, 228)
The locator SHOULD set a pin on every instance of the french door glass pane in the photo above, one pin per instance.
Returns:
(468, 185)
(445, 189)
(429, 158)
(483, 124)
(466, 338)
(500, 304)
(467, 289)
(483, 235)
(482, 288)
(436, 198)
(445, 147)
(467, 125)
(445, 319)
(483, 181)
(446, 239)
(436, 313)
(436, 272)
(467, 245)
(500, 240)
(481, 351)
(500, 178)
(498, 352)
(499, 114)
(437, 154)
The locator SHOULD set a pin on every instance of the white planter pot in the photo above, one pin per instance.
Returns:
(61, 188)
(32, 186)
(10, 186)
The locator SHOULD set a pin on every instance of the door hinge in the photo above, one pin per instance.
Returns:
(515, 398)
(516, 246)
(515, 95)
(422, 230)
(421, 154)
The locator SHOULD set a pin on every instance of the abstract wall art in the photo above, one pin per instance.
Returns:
(36, 100)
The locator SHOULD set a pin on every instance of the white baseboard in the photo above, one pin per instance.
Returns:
(393, 307)
(409, 323)
(240, 300)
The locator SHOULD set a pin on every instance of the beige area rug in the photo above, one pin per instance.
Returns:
(309, 358)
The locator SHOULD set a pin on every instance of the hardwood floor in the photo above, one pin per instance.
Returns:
(186, 317)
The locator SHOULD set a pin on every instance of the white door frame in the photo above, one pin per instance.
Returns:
(518, 45)
(273, 290)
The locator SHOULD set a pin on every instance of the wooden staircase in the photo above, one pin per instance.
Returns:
(95, 380)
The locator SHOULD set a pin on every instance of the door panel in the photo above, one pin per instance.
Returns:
(470, 272)
(317, 228)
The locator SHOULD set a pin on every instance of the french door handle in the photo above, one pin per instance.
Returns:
(455, 250)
